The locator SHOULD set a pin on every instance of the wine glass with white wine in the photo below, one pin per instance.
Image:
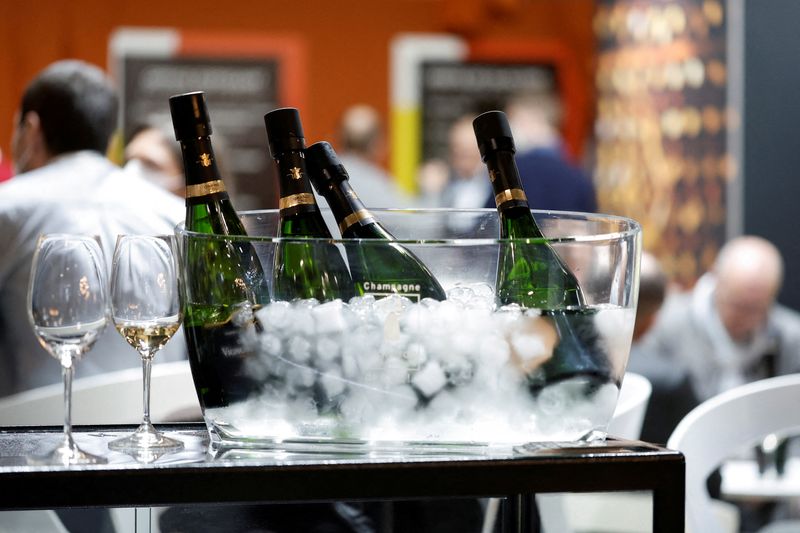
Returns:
(146, 312)
(68, 309)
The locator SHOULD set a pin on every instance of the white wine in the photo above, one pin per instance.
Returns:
(149, 336)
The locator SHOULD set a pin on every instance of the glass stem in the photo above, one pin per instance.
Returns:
(67, 372)
(147, 363)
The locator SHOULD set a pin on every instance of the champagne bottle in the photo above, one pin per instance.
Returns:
(224, 277)
(531, 273)
(301, 269)
(377, 268)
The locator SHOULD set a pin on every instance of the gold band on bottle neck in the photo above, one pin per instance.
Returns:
(510, 194)
(204, 189)
(303, 198)
(352, 218)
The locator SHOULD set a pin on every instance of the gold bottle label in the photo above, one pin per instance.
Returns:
(510, 194)
(204, 189)
(353, 218)
(303, 198)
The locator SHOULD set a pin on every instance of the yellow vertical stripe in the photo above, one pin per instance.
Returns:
(406, 146)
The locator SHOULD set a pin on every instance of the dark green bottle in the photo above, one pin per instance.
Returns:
(377, 268)
(224, 279)
(531, 273)
(301, 269)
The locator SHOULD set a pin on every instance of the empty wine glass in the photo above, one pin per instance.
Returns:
(68, 309)
(146, 312)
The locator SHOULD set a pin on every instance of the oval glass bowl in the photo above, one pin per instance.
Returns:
(380, 371)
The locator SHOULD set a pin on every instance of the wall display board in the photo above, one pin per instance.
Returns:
(243, 76)
(663, 124)
(436, 78)
(451, 90)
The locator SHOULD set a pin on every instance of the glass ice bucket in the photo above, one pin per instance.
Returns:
(387, 368)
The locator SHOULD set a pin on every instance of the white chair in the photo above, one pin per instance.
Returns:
(110, 398)
(721, 427)
(624, 512)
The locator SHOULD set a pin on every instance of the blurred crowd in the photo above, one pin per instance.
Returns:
(727, 330)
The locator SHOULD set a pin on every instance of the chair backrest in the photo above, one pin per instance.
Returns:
(110, 398)
(631, 407)
(722, 426)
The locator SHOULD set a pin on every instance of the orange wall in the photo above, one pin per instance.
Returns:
(347, 39)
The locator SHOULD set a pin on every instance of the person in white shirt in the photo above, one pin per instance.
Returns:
(65, 184)
(729, 329)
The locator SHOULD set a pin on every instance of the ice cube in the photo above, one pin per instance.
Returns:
(329, 317)
(493, 350)
(448, 317)
(529, 348)
(459, 372)
(390, 304)
(482, 290)
(416, 320)
(350, 367)
(300, 377)
(430, 379)
(480, 303)
(328, 349)
(271, 344)
(460, 293)
(299, 349)
(393, 340)
(301, 320)
(275, 316)
(395, 372)
(362, 307)
(415, 355)
(332, 384)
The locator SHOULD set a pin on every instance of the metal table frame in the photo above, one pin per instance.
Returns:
(613, 466)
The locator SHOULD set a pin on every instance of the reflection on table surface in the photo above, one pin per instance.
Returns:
(18, 445)
(741, 480)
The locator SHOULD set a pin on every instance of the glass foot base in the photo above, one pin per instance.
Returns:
(67, 454)
(146, 437)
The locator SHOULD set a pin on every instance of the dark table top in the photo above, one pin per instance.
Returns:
(202, 473)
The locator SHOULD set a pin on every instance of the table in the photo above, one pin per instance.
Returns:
(202, 474)
(741, 481)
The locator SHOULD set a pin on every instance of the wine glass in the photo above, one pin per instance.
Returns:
(146, 312)
(68, 309)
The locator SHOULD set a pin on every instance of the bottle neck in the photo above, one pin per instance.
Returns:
(201, 171)
(347, 208)
(506, 183)
(296, 195)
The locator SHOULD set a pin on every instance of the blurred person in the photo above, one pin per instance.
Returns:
(729, 329)
(463, 181)
(361, 148)
(157, 156)
(550, 180)
(5, 168)
(672, 396)
(65, 184)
